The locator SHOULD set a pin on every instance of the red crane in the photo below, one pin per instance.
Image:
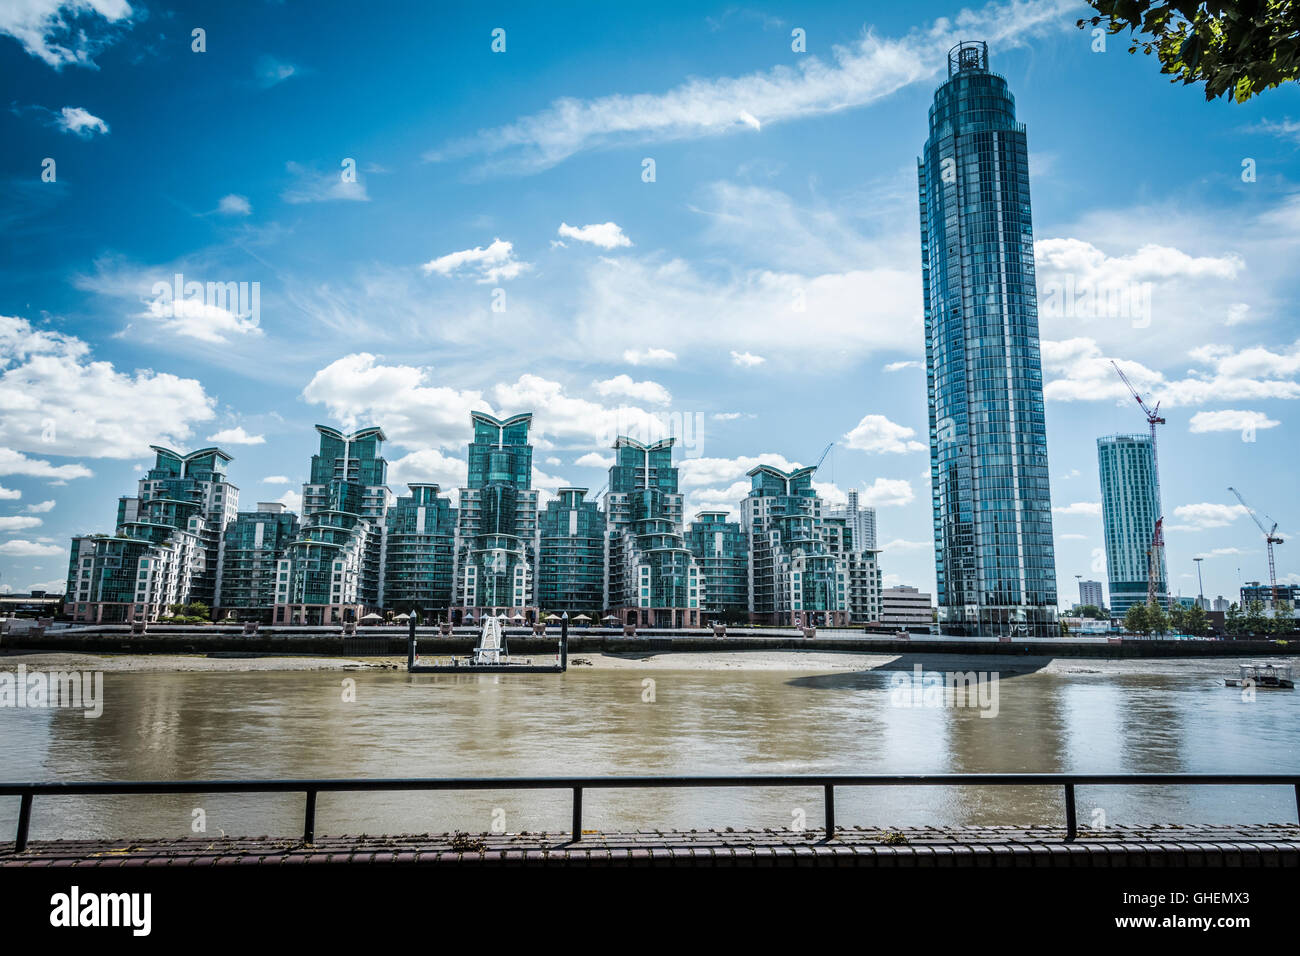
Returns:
(1156, 549)
(1270, 535)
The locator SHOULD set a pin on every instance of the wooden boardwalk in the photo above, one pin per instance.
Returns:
(1268, 845)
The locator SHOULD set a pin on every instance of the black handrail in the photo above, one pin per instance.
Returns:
(313, 786)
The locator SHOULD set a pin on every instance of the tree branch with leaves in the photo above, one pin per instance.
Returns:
(1235, 49)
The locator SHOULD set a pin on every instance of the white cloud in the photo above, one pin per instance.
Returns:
(878, 435)
(234, 205)
(646, 391)
(1092, 269)
(197, 319)
(697, 472)
(1086, 374)
(899, 366)
(746, 359)
(276, 480)
(857, 75)
(55, 399)
(9, 494)
(80, 122)
(607, 235)
(21, 548)
(429, 464)
(649, 356)
(312, 186)
(271, 72)
(1230, 420)
(62, 32)
(358, 391)
(236, 436)
(495, 263)
(595, 459)
(900, 545)
(886, 493)
(12, 523)
(16, 463)
(1090, 508)
(1206, 514)
(292, 500)
(41, 507)
(782, 317)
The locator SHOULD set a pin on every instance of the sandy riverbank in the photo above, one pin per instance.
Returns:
(720, 660)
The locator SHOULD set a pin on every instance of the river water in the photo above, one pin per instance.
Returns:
(1083, 716)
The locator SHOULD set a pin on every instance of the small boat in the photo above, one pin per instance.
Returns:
(1263, 676)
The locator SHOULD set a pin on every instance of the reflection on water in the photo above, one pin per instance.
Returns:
(1152, 717)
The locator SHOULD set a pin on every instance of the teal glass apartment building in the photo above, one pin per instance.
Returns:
(1130, 508)
(994, 556)
(626, 558)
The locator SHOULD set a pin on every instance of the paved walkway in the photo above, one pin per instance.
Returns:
(1153, 846)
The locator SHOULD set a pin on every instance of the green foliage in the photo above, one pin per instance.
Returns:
(1283, 619)
(1233, 620)
(196, 612)
(1136, 620)
(1094, 612)
(1236, 49)
(1256, 622)
(1196, 622)
(1157, 620)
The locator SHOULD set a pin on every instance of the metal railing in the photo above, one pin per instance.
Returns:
(27, 792)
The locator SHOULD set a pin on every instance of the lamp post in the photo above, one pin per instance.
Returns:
(1200, 586)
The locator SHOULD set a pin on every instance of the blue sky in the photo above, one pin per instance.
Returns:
(500, 248)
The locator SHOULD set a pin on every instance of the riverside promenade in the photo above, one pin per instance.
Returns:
(1154, 847)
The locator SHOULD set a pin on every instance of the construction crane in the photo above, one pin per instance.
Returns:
(1270, 535)
(1155, 551)
(826, 451)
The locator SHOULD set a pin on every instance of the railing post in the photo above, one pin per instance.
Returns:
(309, 819)
(577, 814)
(1297, 801)
(24, 822)
(830, 810)
(1071, 826)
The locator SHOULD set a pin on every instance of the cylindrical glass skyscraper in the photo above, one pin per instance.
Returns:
(994, 557)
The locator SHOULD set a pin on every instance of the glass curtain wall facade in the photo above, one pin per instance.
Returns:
(994, 558)
(253, 544)
(167, 546)
(331, 571)
(419, 544)
(721, 550)
(1130, 507)
(495, 553)
(571, 556)
(653, 580)
(794, 577)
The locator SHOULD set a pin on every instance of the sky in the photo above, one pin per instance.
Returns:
(672, 218)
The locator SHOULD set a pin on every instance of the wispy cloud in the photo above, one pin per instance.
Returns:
(311, 185)
(494, 263)
(236, 436)
(234, 205)
(272, 72)
(63, 32)
(80, 122)
(607, 235)
(856, 75)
